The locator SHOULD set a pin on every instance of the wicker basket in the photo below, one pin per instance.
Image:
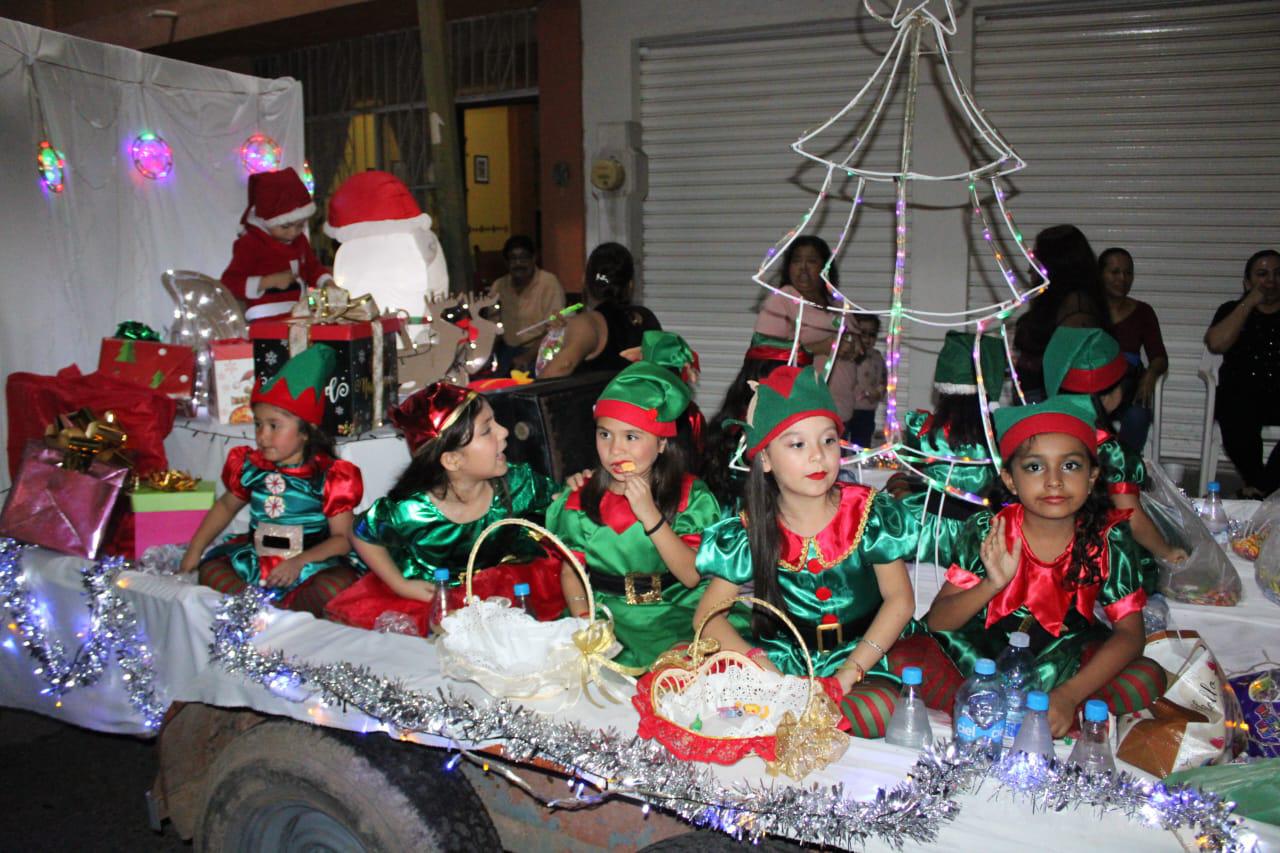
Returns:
(512, 655)
(742, 708)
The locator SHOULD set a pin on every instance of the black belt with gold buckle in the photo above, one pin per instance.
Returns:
(632, 586)
(825, 638)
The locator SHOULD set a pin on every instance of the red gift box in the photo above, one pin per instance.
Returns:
(58, 508)
(164, 367)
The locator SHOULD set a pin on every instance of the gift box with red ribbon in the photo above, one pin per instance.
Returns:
(164, 367)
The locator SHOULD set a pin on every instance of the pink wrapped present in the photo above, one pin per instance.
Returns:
(59, 508)
(168, 518)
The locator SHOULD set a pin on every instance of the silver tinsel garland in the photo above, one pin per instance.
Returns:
(113, 634)
(613, 764)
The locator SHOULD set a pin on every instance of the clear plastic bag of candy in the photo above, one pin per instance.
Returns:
(1206, 576)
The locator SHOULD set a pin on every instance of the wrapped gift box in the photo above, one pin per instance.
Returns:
(168, 518)
(232, 381)
(349, 397)
(164, 367)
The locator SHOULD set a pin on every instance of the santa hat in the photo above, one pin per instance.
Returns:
(1082, 361)
(299, 386)
(1071, 414)
(429, 412)
(278, 198)
(954, 373)
(787, 395)
(651, 394)
(369, 204)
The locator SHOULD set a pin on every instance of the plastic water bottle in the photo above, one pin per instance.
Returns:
(440, 607)
(909, 725)
(521, 591)
(1017, 672)
(979, 711)
(1214, 513)
(1093, 751)
(1034, 736)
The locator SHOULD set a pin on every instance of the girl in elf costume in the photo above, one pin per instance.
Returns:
(637, 521)
(828, 554)
(1001, 583)
(1089, 361)
(955, 429)
(457, 484)
(301, 498)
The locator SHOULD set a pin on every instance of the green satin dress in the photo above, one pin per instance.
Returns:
(1061, 621)
(829, 578)
(619, 547)
(939, 536)
(421, 539)
(1125, 474)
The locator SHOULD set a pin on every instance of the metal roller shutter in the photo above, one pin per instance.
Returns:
(1153, 129)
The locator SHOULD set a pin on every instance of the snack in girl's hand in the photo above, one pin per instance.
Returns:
(627, 467)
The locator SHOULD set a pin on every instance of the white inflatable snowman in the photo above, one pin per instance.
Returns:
(387, 247)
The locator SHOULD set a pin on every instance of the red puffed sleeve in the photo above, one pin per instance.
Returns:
(233, 468)
(343, 488)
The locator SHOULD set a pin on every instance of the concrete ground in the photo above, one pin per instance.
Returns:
(68, 788)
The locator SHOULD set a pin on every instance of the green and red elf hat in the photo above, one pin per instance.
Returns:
(787, 395)
(299, 386)
(954, 373)
(765, 348)
(650, 394)
(1082, 361)
(1071, 414)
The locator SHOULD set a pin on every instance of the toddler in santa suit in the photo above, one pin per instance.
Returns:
(272, 254)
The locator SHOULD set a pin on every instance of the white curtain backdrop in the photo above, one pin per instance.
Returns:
(73, 265)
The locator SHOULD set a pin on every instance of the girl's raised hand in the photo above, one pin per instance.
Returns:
(1001, 563)
(638, 493)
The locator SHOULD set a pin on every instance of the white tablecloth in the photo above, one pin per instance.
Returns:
(177, 616)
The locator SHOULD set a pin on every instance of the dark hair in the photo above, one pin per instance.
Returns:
(875, 318)
(666, 479)
(1091, 518)
(1114, 250)
(610, 271)
(317, 442)
(824, 253)
(1257, 256)
(518, 241)
(722, 437)
(1066, 255)
(426, 472)
(963, 414)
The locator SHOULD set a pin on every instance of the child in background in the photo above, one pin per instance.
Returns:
(272, 253)
(955, 429)
(830, 555)
(870, 381)
(637, 522)
(1089, 361)
(458, 482)
(1040, 564)
(301, 498)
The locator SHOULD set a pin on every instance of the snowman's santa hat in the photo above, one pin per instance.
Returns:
(277, 198)
(373, 203)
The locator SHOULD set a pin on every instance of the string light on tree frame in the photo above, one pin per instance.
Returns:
(308, 177)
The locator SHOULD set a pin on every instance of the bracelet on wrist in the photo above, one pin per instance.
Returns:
(655, 528)
(873, 644)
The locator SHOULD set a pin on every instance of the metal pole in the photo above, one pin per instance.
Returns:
(446, 155)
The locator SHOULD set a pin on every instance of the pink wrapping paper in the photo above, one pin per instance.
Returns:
(66, 511)
(174, 527)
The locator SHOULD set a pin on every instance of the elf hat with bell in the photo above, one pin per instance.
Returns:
(787, 395)
(278, 198)
(1082, 361)
(954, 373)
(429, 412)
(1072, 414)
(299, 386)
(650, 394)
(371, 204)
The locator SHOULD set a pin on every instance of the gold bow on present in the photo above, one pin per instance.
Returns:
(809, 743)
(85, 439)
(594, 643)
(171, 481)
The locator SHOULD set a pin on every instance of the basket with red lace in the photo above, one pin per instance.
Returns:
(715, 706)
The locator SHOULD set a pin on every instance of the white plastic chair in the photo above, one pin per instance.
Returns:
(1210, 436)
(1157, 419)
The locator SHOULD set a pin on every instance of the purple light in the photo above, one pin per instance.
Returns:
(152, 156)
(260, 153)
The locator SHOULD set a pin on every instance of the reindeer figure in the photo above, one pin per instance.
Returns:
(455, 342)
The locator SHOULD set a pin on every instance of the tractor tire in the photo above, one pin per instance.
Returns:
(289, 787)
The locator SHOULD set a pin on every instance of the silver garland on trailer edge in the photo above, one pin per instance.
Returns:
(113, 634)
(643, 770)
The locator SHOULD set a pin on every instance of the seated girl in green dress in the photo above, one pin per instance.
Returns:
(830, 555)
(955, 431)
(458, 482)
(1040, 564)
(1089, 361)
(637, 521)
